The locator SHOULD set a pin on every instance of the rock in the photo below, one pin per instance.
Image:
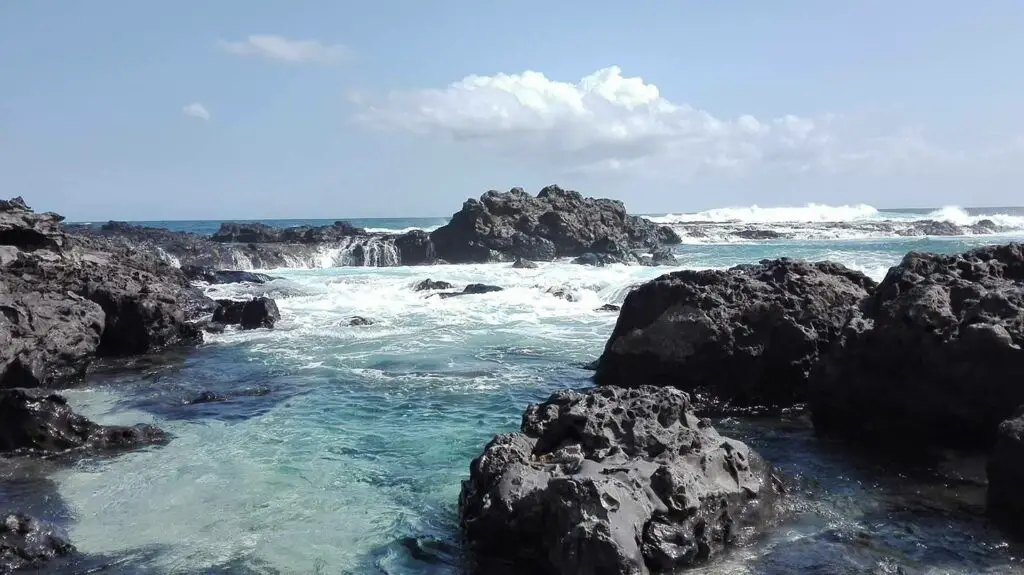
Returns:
(562, 293)
(612, 481)
(608, 307)
(359, 320)
(38, 422)
(415, 248)
(742, 337)
(27, 543)
(212, 276)
(555, 223)
(250, 314)
(663, 257)
(66, 299)
(1006, 475)
(935, 359)
(260, 312)
(256, 233)
(522, 264)
(214, 327)
(471, 289)
(754, 234)
(430, 285)
(228, 312)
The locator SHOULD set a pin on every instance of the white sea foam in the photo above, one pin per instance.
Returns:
(757, 214)
(398, 231)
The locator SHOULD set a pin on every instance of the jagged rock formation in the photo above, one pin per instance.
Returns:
(555, 223)
(1006, 475)
(747, 336)
(27, 543)
(68, 299)
(935, 358)
(611, 480)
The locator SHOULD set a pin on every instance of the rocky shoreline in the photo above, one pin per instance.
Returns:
(625, 477)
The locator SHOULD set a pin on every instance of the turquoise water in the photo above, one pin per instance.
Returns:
(341, 449)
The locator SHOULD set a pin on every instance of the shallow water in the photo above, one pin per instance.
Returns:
(339, 449)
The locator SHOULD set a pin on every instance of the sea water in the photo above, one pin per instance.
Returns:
(340, 449)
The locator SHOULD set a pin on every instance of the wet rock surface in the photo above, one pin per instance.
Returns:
(34, 421)
(1005, 503)
(212, 276)
(747, 336)
(28, 543)
(554, 223)
(611, 480)
(66, 299)
(471, 289)
(934, 359)
(430, 285)
(259, 312)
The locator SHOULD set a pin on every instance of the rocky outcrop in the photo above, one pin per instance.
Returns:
(35, 421)
(27, 543)
(936, 357)
(470, 290)
(430, 285)
(742, 337)
(611, 480)
(1006, 475)
(555, 223)
(255, 313)
(415, 248)
(256, 233)
(212, 276)
(67, 299)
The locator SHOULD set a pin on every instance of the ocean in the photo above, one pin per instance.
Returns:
(341, 449)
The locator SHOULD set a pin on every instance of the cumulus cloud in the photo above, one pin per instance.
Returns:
(610, 122)
(196, 110)
(282, 49)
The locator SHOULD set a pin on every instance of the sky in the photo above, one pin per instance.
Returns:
(118, 109)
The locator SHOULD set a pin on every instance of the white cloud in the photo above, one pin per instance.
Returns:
(609, 122)
(196, 110)
(282, 49)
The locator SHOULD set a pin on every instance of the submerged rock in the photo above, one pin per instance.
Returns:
(936, 358)
(611, 480)
(359, 321)
(430, 285)
(522, 264)
(562, 293)
(471, 289)
(663, 257)
(40, 422)
(212, 276)
(747, 336)
(608, 307)
(555, 223)
(27, 543)
(1006, 475)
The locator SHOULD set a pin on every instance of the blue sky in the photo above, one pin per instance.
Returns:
(250, 108)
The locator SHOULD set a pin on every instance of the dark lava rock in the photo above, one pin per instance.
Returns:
(415, 248)
(935, 359)
(663, 257)
(608, 307)
(1006, 475)
(521, 264)
(429, 285)
(562, 293)
(359, 320)
(260, 312)
(250, 314)
(228, 312)
(214, 327)
(36, 421)
(611, 481)
(66, 299)
(471, 289)
(254, 233)
(757, 234)
(746, 336)
(27, 543)
(555, 223)
(212, 276)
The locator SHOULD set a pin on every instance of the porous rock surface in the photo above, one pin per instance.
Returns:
(611, 481)
(746, 336)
